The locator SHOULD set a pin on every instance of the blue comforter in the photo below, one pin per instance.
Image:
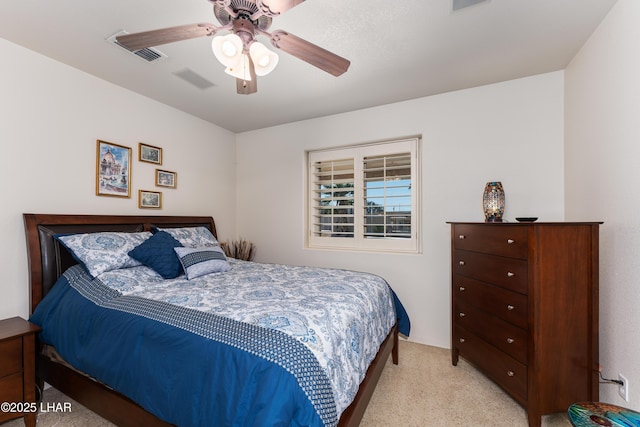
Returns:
(188, 366)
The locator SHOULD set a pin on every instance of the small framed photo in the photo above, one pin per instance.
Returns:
(149, 153)
(113, 170)
(149, 199)
(166, 178)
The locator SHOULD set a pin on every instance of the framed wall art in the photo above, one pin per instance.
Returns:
(149, 153)
(149, 199)
(113, 170)
(166, 178)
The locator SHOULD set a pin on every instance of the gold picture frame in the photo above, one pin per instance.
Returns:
(149, 199)
(149, 153)
(166, 178)
(113, 169)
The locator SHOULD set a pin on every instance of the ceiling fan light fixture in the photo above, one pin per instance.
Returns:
(264, 60)
(240, 68)
(238, 50)
(227, 49)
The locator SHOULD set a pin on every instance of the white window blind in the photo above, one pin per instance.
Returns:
(364, 197)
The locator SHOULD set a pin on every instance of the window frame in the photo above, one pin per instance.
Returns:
(359, 242)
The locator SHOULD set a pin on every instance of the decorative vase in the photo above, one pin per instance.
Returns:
(493, 202)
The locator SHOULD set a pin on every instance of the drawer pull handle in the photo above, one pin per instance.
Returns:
(510, 340)
(510, 307)
(462, 237)
(510, 373)
(461, 339)
(510, 274)
(510, 241)
(461, 263)
(462, 289)
(462, 314)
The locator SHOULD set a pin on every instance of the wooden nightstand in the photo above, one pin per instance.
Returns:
(18, 370)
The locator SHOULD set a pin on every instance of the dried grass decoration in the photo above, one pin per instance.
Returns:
(239, 249)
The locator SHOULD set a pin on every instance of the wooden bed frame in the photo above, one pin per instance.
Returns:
(48, 260)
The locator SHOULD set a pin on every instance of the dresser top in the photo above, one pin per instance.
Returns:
(507, 223)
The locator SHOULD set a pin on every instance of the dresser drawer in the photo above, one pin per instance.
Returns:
(505, 336)
(508, 305)
(10, 356)
(503, 240)
(508, 273)
(504, 370)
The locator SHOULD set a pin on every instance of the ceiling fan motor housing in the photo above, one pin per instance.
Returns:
(226, 11)
(245, 29)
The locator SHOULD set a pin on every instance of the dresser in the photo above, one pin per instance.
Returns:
(525, 309)
(17, 370)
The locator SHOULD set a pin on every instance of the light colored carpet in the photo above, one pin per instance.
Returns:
(423, 390)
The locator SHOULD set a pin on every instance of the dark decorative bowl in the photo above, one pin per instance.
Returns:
(526, 218)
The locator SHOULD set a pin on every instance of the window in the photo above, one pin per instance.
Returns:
(364, 197)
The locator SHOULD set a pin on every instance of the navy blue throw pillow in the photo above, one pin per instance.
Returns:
(157, 253)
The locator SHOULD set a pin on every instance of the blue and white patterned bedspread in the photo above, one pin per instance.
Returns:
(315, 305)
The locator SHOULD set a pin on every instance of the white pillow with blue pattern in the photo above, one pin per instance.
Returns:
(103, 251)
(197, 262)
(191, 237)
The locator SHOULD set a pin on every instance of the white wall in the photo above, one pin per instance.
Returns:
(50, 118)
(602, 177)
(511, 132)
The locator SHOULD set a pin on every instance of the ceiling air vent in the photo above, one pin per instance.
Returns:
(148, 54)
(461, 4)
(194, 78)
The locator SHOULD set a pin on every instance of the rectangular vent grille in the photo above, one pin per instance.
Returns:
(461, 4)
(148, 54)
(194, 78)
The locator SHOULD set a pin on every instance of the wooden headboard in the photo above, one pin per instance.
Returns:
(48, 259)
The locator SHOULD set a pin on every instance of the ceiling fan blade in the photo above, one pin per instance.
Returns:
(146, 39)
(276, 7)
(309, 52)
(247, 87)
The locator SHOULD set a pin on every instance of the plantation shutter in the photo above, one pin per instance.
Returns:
(333, 198)
(387, 196)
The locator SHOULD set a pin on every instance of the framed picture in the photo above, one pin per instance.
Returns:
(149, 153)
(166, 178)
(149, 199)
(113, 170)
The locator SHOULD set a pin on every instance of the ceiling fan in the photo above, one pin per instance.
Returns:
(244, 57)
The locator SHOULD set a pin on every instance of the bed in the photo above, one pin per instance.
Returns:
(51, 263)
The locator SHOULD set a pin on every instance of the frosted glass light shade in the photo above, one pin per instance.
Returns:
(264, 60)
(227, 49)
(240, 68)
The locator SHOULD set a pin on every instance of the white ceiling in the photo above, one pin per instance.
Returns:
(398, 50)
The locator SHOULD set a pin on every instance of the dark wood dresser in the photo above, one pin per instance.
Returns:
(525, 309)
(17, 370)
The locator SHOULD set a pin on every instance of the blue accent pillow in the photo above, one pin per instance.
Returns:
(103, 251)
(197, 262)
(157, 253)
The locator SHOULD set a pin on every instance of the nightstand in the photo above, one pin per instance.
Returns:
(18, 370)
